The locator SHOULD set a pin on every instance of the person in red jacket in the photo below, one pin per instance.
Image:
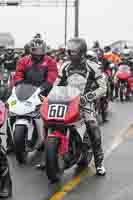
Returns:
(37, 68)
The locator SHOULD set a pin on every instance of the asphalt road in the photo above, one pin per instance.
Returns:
(31, 184)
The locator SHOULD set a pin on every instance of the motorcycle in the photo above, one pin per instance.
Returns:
(122, 81)
(24, 104)
(67, 141)
(109, 74)
(3, 114)
(101, 105)
(5, 178)
(130, 83)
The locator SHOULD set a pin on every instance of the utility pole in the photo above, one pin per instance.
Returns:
(76, 32)
(66, 17)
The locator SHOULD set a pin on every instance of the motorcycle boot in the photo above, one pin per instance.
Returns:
(5, 185)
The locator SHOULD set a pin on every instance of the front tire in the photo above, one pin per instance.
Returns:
(104, 110)
(121, 95)
(54, 162)
(19, 143)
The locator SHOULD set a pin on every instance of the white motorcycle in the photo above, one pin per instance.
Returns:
(24, 108)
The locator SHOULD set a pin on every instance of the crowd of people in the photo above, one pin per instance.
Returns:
(44, 68)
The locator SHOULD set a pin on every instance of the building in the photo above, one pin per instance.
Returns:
(6, 39)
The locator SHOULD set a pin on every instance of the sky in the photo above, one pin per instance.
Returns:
(103, 20)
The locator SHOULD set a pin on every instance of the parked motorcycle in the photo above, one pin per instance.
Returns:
(67, 141)
(122, 82)
(130, 85)
(5, 178)
(101, 105)
(24, 104)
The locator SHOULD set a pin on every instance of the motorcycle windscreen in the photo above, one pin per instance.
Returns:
(123, 72)
(124, 68)
(62, 94)
(62, 105)
(25, 91)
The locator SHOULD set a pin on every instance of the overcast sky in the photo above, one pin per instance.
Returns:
(106, 20)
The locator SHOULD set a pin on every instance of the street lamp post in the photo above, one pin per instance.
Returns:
(66, 17)
(76, 33)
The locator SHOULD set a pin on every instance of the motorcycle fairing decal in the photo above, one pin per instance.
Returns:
(13, 103)
(57, 111)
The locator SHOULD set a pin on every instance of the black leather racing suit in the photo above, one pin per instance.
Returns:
(96, 83)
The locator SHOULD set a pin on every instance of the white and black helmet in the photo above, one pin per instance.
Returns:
(38, 48)
(76, 48)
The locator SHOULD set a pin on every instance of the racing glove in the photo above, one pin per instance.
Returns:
(45, 88)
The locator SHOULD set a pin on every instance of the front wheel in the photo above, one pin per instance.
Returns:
(54, 161)
(104, 109)
(121, 94)
(19, 143)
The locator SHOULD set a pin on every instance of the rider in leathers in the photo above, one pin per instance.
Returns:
(9, 59)
(39, 70)
(76, 49)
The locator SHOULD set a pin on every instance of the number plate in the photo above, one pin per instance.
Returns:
(57, 111)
